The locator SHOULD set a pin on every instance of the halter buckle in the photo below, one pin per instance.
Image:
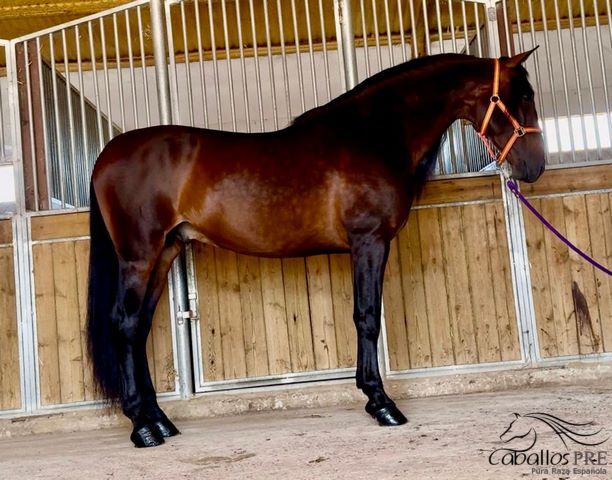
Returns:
(495, 98)
(520, 131)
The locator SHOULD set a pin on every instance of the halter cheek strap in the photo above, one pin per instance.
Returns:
(519, 130)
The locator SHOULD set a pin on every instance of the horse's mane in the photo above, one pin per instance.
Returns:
(566, 429)
(407, 71)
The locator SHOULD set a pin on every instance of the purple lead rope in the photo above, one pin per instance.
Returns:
(514, 189)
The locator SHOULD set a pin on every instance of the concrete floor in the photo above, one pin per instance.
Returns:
(447, 437)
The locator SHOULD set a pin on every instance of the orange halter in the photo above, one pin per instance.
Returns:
(519, 130)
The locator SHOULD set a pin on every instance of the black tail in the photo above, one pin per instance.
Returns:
(103, 272)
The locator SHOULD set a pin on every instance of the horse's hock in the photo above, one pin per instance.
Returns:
(477, 295)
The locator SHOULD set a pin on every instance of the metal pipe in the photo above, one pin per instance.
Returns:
(413, 25)
(70, 122)
(119, 72)
(439, 24)
(257, 67)
(43, 109)
(364, 33)
(187, 68)
(128, 31)
(376, 33)
(96, 87)
(325, 52)
(400, 16)
(345, 19)
(109, 112)
(201, 63)
(228, 61)
(245, 88)
(389, 38)
(213, 48)
(164, 88)
(298, 55)
(313, 76)
(281, 30)
(26, 55)
(602, 62)
(58, 128)
(84, 132)
(161, 67)
(270, 65)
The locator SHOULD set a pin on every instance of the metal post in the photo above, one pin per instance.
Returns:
(178, 275)
(344, 19)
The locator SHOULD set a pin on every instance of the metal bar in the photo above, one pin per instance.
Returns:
(70, 122)
(426, 28)
(201, 62)
(229, 64)
(128, 31)
(109, 111)
(325, 52)
(33, 162)
(439, 23)
(376, 33)
(245, 88)
(44, 121)
(84, 133)
(414, 36)
(281, 30)
(364, 31)
(389, 39)
(143, 69)
(58, 128)
(602, 62)
(478, 37)
(213, 48)
(119, 72)
(257, 67)
(313, 76)
(400, 15)
(173, 68)
(298, 55)
(451, 16)
(536, 63)
(270, 65)
(96, 87)
(187, 68)
(345, 18)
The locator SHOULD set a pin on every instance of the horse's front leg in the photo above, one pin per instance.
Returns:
(369, 253)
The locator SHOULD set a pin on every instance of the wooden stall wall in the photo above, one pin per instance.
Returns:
(10, 394)
(448, 287)
(572, 299)
(60, 251)
(262, 317)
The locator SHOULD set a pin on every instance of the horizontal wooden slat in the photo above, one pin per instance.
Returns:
(51, 227)
(6, 231)
(567, 180)
(468, 189)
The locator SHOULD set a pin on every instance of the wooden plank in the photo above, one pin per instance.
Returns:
(322, 312)
(230, 314)
(6, 232)
(415, 306)
(210, 330)
(298, 314)
(66, 225)
(557, 259)
(253, 320)
(161, 335)
(459, 301)
(603, 252)
(10, 395)
(565, 180)
(582, 288)
(480, 281)
(540, 284)
(275, 313)
(48, 361)
(503, 294)
(442, 191)
(435, 287)
(395, 316)
(70, 355)
(81, 255)
(341, 273)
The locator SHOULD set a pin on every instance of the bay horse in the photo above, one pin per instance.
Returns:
(340, 178)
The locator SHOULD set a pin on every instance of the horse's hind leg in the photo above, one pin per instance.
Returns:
(369, 253)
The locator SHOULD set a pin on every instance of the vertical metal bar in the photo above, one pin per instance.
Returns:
(345, 19)
(400, 15)
(313, 76)
(376, 33)
(281, 32)
(564, 79)
(228, 61)
(389, 32)
(143, 70)
(44, 122)
(298, 55)
(466, 34)
(26, 55)
(364, 32)
(213, 48)
(426, 28)
(589, 79)
(270, 64)
(451, 16)
(414, 36)
(70, 121)
(173, 68)
(257, 67)
(325, 52)
(439, 22)
(119, 72)
(128, 32)
(58, 128)
(245, 88)
(178, 274)
(478, 36)
(201, 62)
(507, 28)
(94, 71)
(84, 132)
(604, 75)
(187, 66)
(536, 63)
(109, 112)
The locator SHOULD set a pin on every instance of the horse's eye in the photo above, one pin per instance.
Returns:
(528, 97)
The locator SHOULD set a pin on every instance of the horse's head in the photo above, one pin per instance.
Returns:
(517, 429)
(506, 115)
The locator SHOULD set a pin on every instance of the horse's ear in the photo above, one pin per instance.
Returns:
(520, 58)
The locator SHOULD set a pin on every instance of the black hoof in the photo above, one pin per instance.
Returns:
(389, 416)
(146, 437)
(165, 428)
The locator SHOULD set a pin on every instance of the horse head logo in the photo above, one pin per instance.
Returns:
(526, 428)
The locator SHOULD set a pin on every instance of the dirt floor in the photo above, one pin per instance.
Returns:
(449, 437)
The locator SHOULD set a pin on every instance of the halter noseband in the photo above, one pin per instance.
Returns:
(519, 130)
